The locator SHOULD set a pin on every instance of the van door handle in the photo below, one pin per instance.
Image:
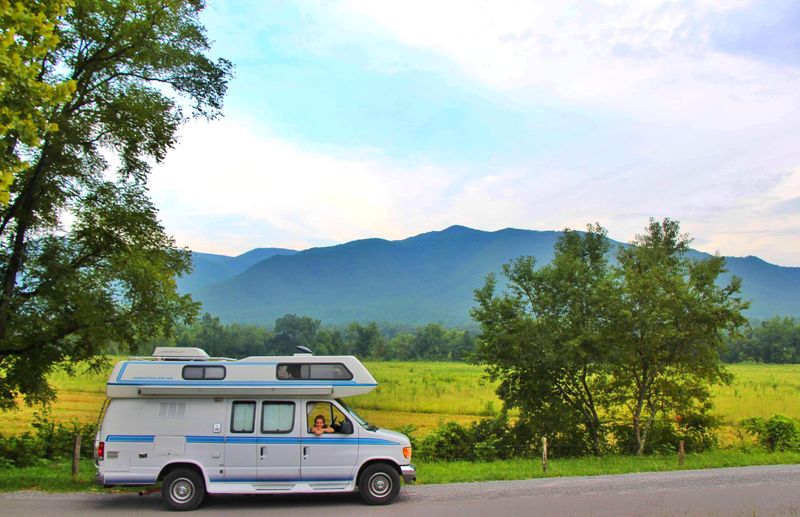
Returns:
(305, 451)
(263, 451)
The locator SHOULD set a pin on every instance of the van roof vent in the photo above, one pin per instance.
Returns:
(180, 353)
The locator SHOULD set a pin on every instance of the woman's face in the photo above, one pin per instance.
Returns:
(318, 422)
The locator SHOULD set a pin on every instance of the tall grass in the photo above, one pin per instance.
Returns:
(759, 390)
(425, 394)
(429, 387)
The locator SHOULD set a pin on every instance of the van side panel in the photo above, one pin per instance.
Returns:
(143, 435)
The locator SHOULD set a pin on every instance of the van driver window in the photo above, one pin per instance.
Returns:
(243, 417)
(332, 417)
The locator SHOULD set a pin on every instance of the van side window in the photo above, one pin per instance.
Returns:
(277, 417)
(313, 371)
(203, 372)
(243, 417)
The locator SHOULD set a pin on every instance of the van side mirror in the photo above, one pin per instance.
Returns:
(346, 427)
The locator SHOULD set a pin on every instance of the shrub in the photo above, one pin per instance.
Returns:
(49, 440)
(448, 442)
(486, 440)
(778, 433)
(697, 430)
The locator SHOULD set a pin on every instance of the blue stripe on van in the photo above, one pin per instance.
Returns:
(138, 438)
(205, 439)
(289, 440)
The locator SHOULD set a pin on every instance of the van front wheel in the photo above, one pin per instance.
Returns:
(182, 489)
(379, 484)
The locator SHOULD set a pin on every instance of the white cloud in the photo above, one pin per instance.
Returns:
(648, 60)
(230, 187)
(231, 171)
(693, 133)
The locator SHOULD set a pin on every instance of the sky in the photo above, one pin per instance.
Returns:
(357, 119)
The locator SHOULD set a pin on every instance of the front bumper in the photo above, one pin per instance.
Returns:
(409, 472)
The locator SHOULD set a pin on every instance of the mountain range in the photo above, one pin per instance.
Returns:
(422, 279)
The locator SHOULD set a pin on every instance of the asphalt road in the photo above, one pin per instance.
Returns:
(745, 491)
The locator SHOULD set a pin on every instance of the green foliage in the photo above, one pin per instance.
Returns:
(448, 442)
(668, 331)
(777, 433)
(49, 440)
(106, 281)
(27, 37)
(484, 440)
(580, 345)
(431, 342)
(542, 339)
(776, 340)
(699, 432)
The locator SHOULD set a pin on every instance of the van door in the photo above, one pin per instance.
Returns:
(279, 442)
(241, 443)
(330, 456)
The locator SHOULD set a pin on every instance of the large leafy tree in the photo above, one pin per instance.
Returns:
(671, 327)
(27, 34)
(543, 339)
(84, 262)
(575, 343)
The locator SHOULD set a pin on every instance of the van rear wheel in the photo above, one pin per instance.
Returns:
(379, 484)
(183, 489)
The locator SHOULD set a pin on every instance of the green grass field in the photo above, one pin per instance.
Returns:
(426, 394)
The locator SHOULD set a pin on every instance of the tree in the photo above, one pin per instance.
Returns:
(366, 340)
(670, 328)
(580, 339)
(292, 331)
(70, 290)
(329, 342)
(544, 338)
(776, 340)
(27, 35)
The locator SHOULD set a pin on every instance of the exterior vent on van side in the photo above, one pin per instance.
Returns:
(172, 410)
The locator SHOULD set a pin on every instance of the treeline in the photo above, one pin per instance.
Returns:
(432, 342)
(776, 340)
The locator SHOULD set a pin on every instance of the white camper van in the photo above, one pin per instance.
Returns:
(199, 425)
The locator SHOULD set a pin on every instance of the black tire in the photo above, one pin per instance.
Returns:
(183, 489)
(379, 484)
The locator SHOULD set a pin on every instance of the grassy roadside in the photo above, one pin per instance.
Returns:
(51, 477)
(55, 477)
(459, 472)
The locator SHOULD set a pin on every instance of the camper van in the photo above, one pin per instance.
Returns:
(259, 425)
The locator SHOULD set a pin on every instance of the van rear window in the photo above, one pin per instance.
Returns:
(204, 373)
(313, 371)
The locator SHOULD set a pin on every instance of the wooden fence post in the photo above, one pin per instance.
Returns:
(544, 454)
(681, 453)
(76, 457)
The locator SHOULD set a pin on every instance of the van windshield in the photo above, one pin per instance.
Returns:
(363, 423)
